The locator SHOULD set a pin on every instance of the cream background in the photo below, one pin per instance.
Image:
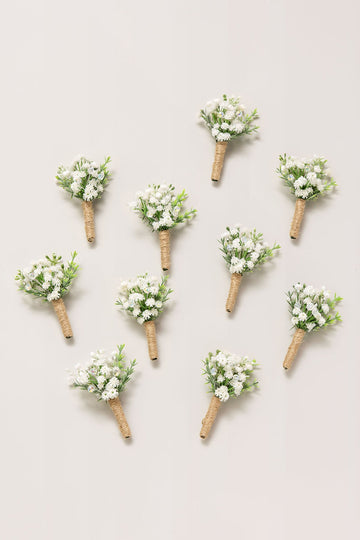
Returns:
(127, 79)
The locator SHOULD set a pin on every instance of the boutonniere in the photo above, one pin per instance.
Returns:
(306, 179)
(161, 208)
(311, 309)
(227, 375)
(50, 279)
(243, 251)
(106, 376)
(226, 119)
(85, 180)
(144, 298)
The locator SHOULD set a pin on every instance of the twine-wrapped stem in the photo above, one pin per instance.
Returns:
(151, 339)
(233, 291)
(210, 417)
(118, 411)
(165, 249)
(293, 348)
(88, 211)
(297, 219)
(220, 150)
(60, 311)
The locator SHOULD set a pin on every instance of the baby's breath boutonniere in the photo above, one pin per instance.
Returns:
(227, 375)
(311, 309)
(144, 298)
(243, 251)
(227, 119)
(105, 376)
(50, 279)
(161, 208)
(306, 179)
(85, 180)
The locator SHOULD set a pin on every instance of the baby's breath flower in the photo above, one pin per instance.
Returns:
(228, 375)
(227, 118)
(139, 295)
(159, 206)
(244, 250)
(49, 278)
(313, 308)
(84, 179)
(306, 178)
(105, 370)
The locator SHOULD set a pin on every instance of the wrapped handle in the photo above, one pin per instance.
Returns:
(116, 407)
(88, 211)
(151, 339)
(233, 291)
(293, 348)
(165, 249)
(297, 219)
(61, 313)
(210, 417)
(220, 150)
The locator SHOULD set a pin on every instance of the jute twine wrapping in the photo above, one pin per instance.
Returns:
(297, 219)
(151, 339)
(165, 249)
(117, 409)
(88, 210)
(233, 291)
(294, 347)
(60, 311)
(220, 150)
(210, 417)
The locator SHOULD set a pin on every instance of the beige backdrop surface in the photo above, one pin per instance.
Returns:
(127, 79)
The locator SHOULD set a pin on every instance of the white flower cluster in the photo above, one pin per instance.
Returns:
(312, 308)
(228, 374)
(84, 179)
(226, 118)
(306, 178)
(49, 278)
(106, 374)
(143, 297)
(244, 249)
(160, 207)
